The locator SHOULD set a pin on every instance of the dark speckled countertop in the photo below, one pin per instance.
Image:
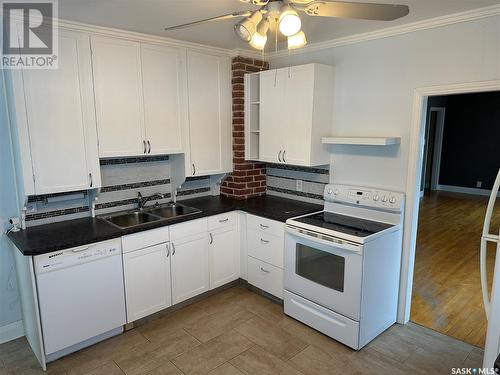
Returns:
(67, 234)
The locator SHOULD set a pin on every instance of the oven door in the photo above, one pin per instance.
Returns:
(324, 270)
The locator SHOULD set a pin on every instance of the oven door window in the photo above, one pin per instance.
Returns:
(320, 267)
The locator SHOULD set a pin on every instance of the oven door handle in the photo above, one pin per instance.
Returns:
(325, 240)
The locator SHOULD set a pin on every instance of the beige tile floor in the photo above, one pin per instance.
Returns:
(239, 332)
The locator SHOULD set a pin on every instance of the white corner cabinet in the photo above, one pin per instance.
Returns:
(209, 139)
(287, 112)
(52, 116)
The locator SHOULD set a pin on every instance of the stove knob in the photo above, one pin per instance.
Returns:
(376, 197)
(336, 192)
(329, 192)
(384, 199)
(392, 200)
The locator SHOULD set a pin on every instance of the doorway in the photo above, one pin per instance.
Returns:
(459, 163)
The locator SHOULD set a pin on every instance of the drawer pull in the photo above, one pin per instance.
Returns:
(262, 226)
(224, 220)
(264, 241)
(264, 270)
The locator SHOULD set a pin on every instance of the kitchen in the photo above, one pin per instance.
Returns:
(241, 142)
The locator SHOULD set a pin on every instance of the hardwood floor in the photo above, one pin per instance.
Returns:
(238, 332)
(447, 290)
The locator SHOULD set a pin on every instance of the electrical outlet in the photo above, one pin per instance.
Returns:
(479, 184)
(299, 185)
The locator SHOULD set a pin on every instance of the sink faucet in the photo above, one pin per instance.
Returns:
(141, 201)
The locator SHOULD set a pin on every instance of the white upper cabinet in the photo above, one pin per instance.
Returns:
(209, 114)
(54, 113)
(118, 97)
(140, 94)
(164, 85)
(296, 108)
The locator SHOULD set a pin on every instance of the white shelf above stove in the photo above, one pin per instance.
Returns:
(361, 141)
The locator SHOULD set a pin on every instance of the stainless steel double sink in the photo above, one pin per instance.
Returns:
(130, 219)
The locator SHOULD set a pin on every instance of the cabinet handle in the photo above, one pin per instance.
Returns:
(90, 178)
(284, 152)
(264, 241)
(264, 270)
(168, 250)
(211, 238)
(173, 249)
(145, 147)
(194, 169)
(262, 226)
(149, 147)
(224, 220)
(279, 156)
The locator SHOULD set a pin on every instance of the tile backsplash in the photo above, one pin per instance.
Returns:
(282, 180)
(122, 179)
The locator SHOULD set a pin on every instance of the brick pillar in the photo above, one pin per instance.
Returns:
(249, 178)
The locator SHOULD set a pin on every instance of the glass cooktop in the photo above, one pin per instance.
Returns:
(344, 224)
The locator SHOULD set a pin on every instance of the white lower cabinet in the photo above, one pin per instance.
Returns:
(224, 252)
(265, 276)
(189, 267)
(147, 281)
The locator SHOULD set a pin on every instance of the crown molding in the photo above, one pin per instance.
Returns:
(430, 23)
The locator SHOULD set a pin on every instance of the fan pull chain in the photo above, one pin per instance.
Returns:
(276, 49)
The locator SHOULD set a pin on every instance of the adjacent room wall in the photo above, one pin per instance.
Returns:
(374, 88)
(470, 141)
(10, 313)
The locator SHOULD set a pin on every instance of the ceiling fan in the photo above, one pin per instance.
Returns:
(284, 14)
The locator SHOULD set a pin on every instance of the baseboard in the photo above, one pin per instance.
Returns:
(465, 190)
(11, 331)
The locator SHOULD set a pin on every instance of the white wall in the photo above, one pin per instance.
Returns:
(9, 299)
(374, 90)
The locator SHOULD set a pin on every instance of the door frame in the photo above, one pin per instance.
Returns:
(414, 177)
(438, 146)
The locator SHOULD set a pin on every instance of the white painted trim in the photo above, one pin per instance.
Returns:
(430, 23)
(438, 146)
(465, 190)
(414, 177)
(11, 331)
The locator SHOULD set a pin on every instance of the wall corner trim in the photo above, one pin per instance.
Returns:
(11, 331)
(431, 23)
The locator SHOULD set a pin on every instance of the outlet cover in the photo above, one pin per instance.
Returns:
(299, 185)
(479, 184)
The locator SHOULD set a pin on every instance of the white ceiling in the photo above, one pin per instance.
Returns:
(151, 16)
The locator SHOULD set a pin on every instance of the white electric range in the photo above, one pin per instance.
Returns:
(342, 265)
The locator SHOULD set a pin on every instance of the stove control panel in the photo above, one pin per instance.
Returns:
(364, 196)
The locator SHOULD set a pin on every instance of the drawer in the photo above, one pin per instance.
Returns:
(265, 276)
(188, 228)
(144, 239)
(266, 247)
(265, 225)
(326, 321)
(228, 219)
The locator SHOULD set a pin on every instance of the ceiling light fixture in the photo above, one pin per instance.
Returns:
(246, 27)
(296, 41)
(289, 22)
(259, 38)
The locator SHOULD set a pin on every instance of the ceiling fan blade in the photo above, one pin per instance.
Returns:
(341, 9)
(244, 13)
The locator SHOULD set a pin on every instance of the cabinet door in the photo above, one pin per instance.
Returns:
(61, 119)
(272, 114)
(189, 267)
(118, 94)
(209, 114)
(298, 113)
(163, 77)
(147, 281)
(224, 253)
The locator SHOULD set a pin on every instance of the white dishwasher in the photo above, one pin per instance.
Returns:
(81, 295)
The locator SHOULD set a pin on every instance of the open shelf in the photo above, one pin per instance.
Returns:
(361, 141)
